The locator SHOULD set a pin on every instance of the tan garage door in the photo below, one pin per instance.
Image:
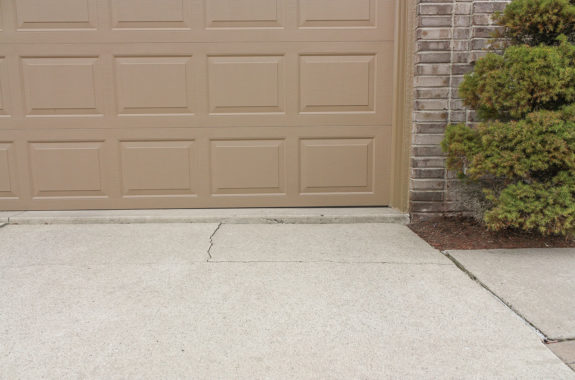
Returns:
(195, 103)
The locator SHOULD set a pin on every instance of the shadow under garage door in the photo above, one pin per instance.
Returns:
(195, 103)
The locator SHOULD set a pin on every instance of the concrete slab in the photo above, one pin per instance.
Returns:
(538, 283)
(344, 215)
(6, 215)
(565, 351)
(104, 244)
(340, 243)
(261, 320)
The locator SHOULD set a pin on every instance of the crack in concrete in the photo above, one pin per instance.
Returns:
(10, 217)
(209, 252)
(461, 267)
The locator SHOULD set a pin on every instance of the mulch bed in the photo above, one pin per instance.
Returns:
(451, 233)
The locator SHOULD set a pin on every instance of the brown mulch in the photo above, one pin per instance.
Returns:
(466, 233)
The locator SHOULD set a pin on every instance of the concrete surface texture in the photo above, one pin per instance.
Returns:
(346, 243)
(242, 216)
(538, 283)
(144, 302)
(565, 351)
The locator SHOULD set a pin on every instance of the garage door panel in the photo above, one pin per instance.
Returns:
(337, 83)
(337, 13)
(242, 166)
(8, 171)
(42, 15)
(62, 85)
(337, 165)
(154, 85)
(67, 169)
(4, 88)
(244, 13)
(248, 167)
(246, 84)
(192, 85)
(159, 168)
(151, 14)
(146, 21)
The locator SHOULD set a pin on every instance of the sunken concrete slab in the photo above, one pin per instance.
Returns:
(538, 283)
(337, 242)
(241, 216)
(565, 351)
(104, 244)
(261, 320)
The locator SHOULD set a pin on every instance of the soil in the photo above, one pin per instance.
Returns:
(461, 233)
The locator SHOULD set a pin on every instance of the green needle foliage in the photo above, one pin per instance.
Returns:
(536, 22)
(521, 80)
(523, 151)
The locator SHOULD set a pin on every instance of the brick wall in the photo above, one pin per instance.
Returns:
(450, 37)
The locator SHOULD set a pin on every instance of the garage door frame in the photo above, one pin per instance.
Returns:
(402, 107)
(403, 102)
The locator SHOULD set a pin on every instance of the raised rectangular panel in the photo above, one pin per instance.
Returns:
(7, 171)
(337, 13)
(337, 83)
(145, 14)
(56, 14)
(336, 165)
(67, 169)
(244, 13)
(61, 86)
(154, 85)
(246, 84)
(247, 166)
(4, 94)
(158, 168)
(2, 86)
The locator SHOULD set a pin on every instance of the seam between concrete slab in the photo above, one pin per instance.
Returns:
(209, 252)
(213, 262)
(562, 340)
(320, 262)
(503, 301)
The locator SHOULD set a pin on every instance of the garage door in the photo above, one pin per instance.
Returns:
(109, 104)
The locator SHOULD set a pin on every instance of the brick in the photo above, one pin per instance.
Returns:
(427, 196)
(432, 104)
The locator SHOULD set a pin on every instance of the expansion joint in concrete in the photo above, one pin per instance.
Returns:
(504, 302)
(324, 262)
(561, 340)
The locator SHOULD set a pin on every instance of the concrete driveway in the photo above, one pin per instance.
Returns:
(210, 301)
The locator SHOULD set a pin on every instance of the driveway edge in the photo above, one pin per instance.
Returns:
(224, 216)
